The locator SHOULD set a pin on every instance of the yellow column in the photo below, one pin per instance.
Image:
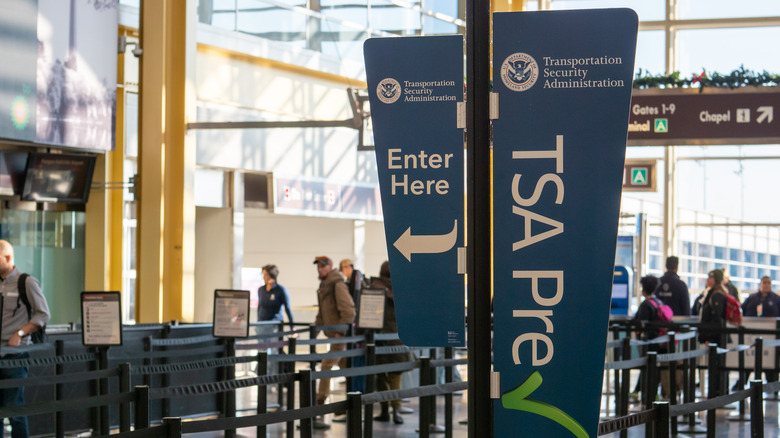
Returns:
(166, 161)
(103, 242)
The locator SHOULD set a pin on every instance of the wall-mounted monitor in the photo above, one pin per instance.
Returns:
(12, 170)
(58, 178)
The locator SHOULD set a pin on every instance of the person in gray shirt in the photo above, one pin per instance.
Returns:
(16, 329)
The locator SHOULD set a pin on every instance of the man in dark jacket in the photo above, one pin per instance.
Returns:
(354, 279)
(764, 303)
(355, 285)
(335, 308)
(672, 290)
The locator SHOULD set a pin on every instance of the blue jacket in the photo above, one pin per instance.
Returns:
(271, 302)
(770, 305)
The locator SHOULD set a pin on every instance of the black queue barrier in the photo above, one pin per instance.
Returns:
(156, 394)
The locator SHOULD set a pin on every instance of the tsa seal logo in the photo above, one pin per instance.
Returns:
(519, 71)
(388, 90)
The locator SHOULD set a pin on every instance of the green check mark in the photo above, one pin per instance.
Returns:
(516, 399)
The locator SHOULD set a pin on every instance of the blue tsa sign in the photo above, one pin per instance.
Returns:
(563, 80)
(415, 88)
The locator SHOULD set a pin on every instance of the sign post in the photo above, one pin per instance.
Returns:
(559, 149)
(415, 89)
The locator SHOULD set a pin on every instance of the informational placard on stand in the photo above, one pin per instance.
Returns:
(101, 319)
(231, 313)
(372, 309)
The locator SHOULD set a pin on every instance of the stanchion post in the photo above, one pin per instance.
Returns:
(166, 377)
(103, 365)
(712, 387)
(59, 389)
(230, 374)
(622, 409)
(141, 407)
(651, 380)
(124, 387)
(741, 365)
(625, 382)
(350, 332)
(147, 360)
(757, 408)
(432, 399)
(448, 397)
(425, 380)
(758, 368)
(290, 429)
(690, 387)
(354, 424)
(306, 401)
(368, 412)
(672, 348)
(661, 424)
(94, 391)
(616, 355)
(172, 426)
(262, 390)
(313, 348)
(289, 367)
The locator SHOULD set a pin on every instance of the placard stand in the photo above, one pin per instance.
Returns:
(231, 313)
(101, 327)
(372, 309)
(101, 319)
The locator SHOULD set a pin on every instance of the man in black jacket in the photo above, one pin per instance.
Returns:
(672, 290)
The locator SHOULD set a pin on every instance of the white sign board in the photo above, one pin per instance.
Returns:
(101, 319)
(231, 313)
(372, 309)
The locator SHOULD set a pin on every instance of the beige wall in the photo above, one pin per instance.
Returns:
(213, 258)
(292, 242)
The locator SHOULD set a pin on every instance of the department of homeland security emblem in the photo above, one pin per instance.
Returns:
(388, 90)
(519, 71)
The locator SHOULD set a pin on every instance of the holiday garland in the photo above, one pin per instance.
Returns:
(740, 77)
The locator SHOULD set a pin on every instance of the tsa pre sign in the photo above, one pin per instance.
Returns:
(415, 87)
(563, 80)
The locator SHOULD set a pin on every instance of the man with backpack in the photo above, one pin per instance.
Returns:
(24, 312)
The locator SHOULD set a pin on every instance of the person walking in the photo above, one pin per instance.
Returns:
(273, 296)
(335, 308)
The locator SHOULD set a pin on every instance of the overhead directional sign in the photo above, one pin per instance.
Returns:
(416, 89)
(639, 176)
(563, 80)
(710, 116)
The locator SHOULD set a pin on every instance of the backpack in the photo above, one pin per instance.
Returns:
(733, 310)
(38, 336)
(664, 313)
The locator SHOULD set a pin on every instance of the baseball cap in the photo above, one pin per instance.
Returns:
(323, 261)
